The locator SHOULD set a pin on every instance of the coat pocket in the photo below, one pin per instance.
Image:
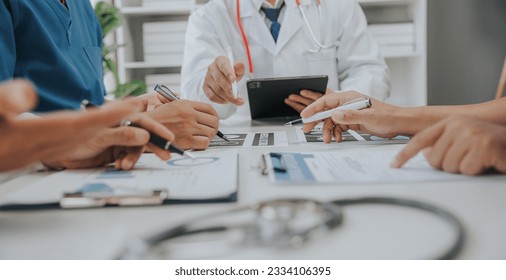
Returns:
(94, 55)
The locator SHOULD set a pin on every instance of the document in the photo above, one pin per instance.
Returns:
(267, 139)
(181, 178)
(316, 136)
(366, 165)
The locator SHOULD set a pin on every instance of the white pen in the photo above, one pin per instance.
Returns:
(357, 104)
(230, 55)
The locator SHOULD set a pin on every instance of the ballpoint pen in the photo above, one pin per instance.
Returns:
(357, 104)
(160, 142)
(171, 96)
(230, 55)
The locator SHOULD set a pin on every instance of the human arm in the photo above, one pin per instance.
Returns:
(459, 145)
(122, 145)
(69, 139)
(388, 120)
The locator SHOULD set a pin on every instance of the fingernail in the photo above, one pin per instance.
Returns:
(395, 163)
(231, 78)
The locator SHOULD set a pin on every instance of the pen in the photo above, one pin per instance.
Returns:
(230, 55)
(160, 142)
(357, 104)
(171, 96)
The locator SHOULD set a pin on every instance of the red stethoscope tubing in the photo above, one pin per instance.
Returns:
(244, 37)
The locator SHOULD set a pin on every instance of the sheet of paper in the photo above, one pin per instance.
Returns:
(367, 165)
(182, 178)
(316, 136)
(267, 139)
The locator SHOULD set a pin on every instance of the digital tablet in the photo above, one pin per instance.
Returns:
(267, 96)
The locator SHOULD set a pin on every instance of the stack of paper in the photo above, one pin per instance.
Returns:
(395, 39)
(164, 41)
(172, 81)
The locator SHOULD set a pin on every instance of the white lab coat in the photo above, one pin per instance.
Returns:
(356, 64)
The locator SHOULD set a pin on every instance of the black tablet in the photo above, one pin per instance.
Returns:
(267, 96)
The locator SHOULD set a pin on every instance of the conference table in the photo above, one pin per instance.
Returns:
(367, 231)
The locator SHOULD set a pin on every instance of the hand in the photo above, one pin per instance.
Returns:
(193, 123)
(306, 98)
(121, 145)
(16, 97)
(219, 78)
(380, 119)
(459, 145)
(27, 141)
(153, 100)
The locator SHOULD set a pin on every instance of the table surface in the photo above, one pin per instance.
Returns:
(367, 232)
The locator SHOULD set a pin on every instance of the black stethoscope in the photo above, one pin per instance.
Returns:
(320, 43)
(278, 224)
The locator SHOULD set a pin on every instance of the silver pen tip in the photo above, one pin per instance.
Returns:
(190, 155)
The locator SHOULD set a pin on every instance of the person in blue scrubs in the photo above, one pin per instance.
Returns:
(56, 46)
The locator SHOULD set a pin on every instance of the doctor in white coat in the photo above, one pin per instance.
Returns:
(305, 37)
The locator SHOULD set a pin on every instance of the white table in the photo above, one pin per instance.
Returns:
(368, 232)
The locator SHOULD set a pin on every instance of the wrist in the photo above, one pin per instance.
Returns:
(408, 120)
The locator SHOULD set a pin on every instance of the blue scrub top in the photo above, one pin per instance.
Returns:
(58, 49)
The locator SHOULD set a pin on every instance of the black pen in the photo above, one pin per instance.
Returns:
(160, 142)
(171, 96)
(153, 138)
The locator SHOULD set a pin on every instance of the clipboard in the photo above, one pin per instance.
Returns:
(365, 165)
(154, 182)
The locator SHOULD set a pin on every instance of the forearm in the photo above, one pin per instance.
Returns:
(411, 120)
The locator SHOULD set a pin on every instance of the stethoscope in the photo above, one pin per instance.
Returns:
(320, 43)
(277, 224)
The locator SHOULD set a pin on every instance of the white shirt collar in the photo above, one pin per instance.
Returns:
(277, 5)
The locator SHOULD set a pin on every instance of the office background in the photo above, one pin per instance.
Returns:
(466, 46)
(466, 49)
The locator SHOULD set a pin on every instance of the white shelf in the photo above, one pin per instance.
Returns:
(153, 10)
(147, 65)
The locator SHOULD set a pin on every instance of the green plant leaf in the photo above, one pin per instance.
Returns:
(133, 88)
(109, 17)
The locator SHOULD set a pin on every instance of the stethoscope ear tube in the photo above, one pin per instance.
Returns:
(449, 218)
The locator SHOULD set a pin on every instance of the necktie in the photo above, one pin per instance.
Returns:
(272, 15)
